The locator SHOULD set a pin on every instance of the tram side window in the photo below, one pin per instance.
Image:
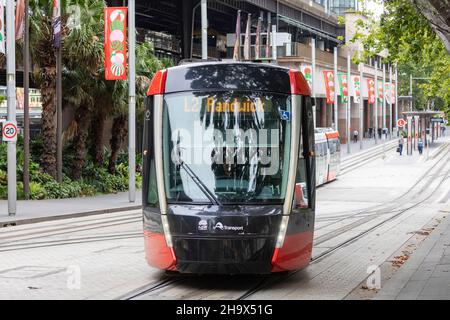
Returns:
(149, 158)
(301, 187)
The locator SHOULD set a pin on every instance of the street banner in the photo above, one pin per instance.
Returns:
(329, 85)
(237, 43)
(20, 22)
(371, 90)
(356, 88)
(56, 23)
(343, 87)
(2, 27)
(307, 73)
(387, 93)
(380, 91)
(115, 43)
(247, 40)
(269, 27)
(258, 39)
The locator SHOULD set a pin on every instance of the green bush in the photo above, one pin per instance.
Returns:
(43, 186)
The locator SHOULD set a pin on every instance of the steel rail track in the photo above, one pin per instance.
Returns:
(266, 283)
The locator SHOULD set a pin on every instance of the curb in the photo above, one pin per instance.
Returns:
(23, 221)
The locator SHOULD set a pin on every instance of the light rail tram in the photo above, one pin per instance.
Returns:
(229, 169)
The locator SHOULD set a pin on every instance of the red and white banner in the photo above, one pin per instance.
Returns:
(330, 85)
(380, 91)
(356, 88)
(115, 43)
(371, 90)
(307, 73)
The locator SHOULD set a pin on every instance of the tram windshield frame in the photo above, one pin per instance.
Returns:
(231, 146)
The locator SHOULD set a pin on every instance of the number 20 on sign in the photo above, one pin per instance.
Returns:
(9, 131)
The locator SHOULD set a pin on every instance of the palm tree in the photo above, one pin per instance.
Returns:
(83, 58)
(44, 75)
(82, 54)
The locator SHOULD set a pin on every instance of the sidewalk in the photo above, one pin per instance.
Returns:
(43, 210)
(426, 275)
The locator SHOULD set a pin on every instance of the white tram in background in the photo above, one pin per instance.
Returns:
(328, 155)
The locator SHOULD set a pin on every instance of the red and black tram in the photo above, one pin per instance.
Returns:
(229, 169)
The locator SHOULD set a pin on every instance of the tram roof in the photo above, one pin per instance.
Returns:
(228, 75)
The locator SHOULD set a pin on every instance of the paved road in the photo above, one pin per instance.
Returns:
(101, 257)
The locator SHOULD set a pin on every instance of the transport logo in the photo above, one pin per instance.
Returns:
(221, 226)
(218, 226)
(202, 225)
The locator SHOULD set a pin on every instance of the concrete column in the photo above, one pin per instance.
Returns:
(186, 25)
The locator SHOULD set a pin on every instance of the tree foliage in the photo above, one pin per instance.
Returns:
(416, 49)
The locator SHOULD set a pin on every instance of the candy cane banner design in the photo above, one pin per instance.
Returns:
(356, 88)
(371, 90)
(343, 85)
(380, 91)
(329, 85)
(115, 43)
(307, 73)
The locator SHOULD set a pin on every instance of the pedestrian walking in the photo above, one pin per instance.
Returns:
(379, 133)
(401, 142)
(443, 131)
(420, 146)
(355, 136)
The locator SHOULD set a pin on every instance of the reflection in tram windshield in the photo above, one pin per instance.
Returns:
(235, 143)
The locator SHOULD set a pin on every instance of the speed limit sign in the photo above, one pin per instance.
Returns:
(9, 131)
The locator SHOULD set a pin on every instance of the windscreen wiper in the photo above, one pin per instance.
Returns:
(211, 196)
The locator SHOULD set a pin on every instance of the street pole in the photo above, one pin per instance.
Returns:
(26, 105)
(11, 103)
(383, 86)
(204, 9)
(410, 93)
(390, 101)
(375, 105)
(396, 99)
(131, 102)
(336, 120)
(361, 106)
(348, 102)
(313, 75)
(59, 111)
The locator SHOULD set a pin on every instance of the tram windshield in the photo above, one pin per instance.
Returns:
(229, 146)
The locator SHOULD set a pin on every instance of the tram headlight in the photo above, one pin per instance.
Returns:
(282, 231)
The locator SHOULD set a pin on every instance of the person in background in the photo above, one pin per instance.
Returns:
(401, 141)
(420, 145)
(355, 136)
